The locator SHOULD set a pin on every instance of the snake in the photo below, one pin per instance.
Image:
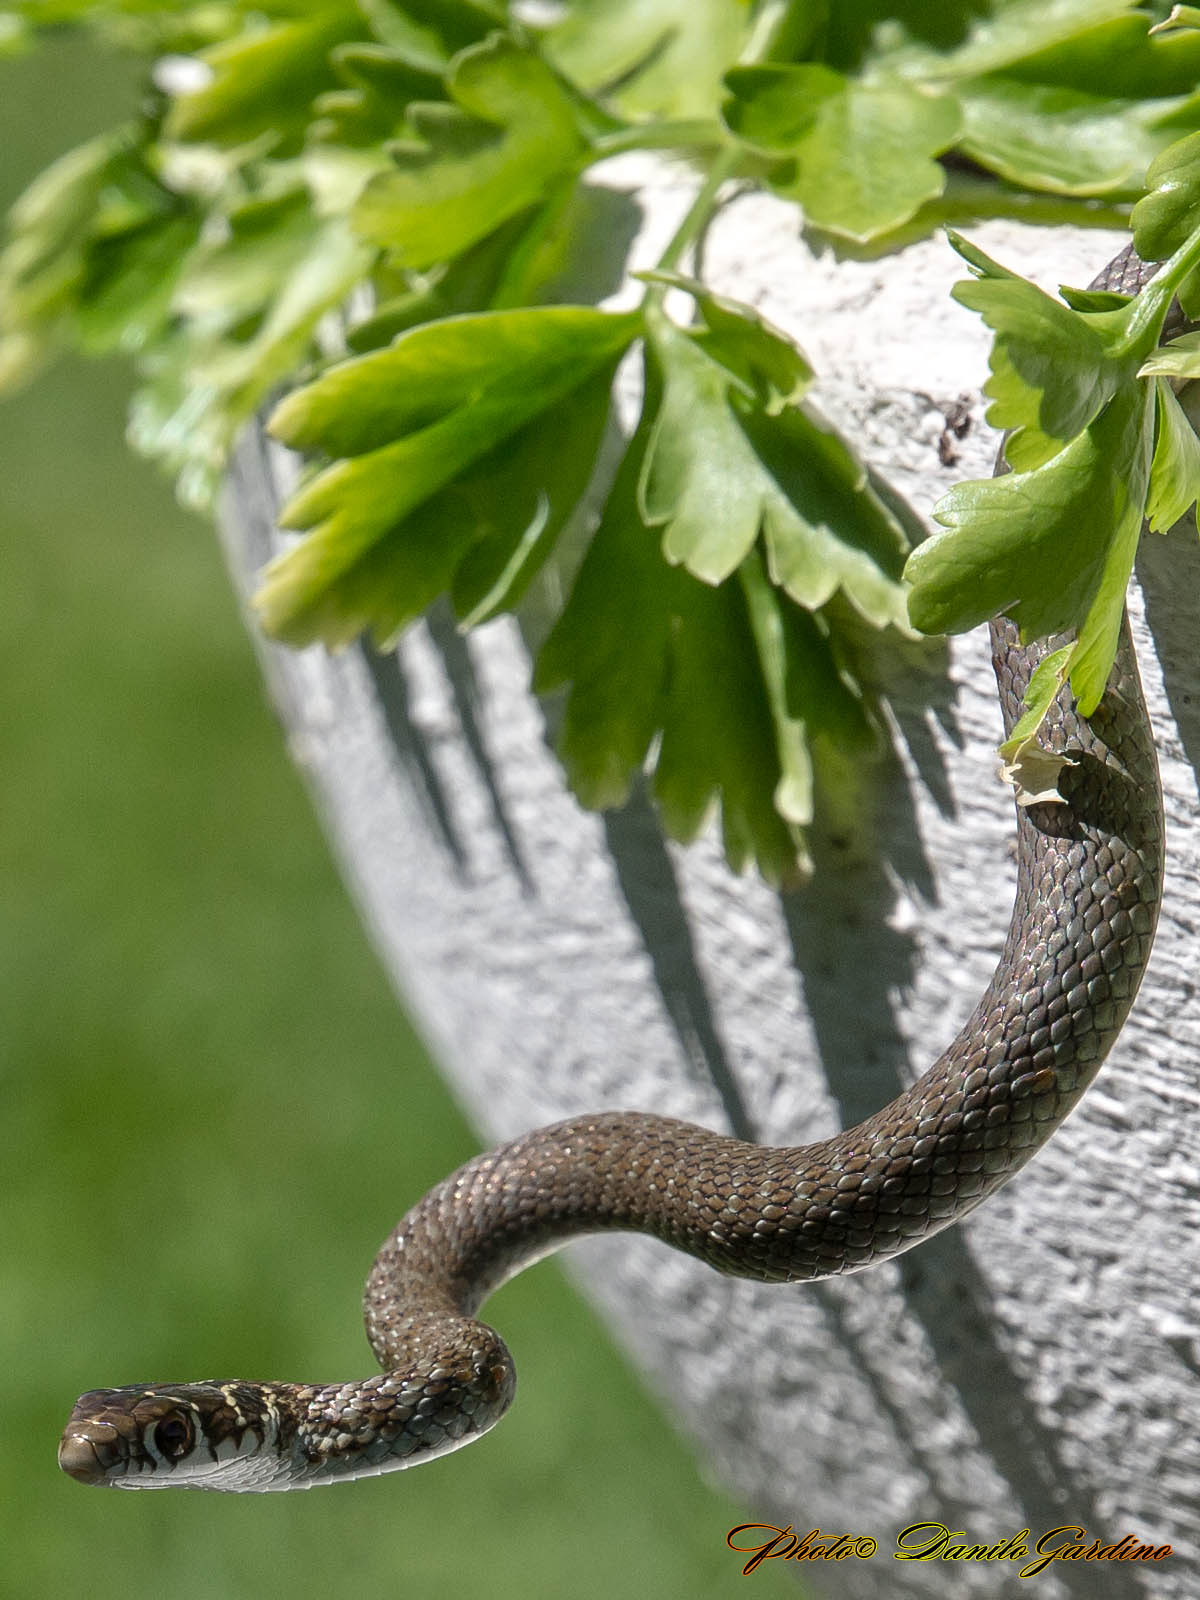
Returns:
(1089, 881)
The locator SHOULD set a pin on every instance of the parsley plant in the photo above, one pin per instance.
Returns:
(413, 170)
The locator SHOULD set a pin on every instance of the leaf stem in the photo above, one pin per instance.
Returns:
(698, 214)
(1151, 306)
(782, 30)
(686, 133)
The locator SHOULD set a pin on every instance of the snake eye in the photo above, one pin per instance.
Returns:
(173, 1435)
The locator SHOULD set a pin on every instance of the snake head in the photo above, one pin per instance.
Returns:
(190, 1435)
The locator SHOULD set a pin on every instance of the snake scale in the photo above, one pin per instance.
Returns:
(1089, 881)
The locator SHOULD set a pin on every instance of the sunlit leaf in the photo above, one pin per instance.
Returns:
(1166, 214)
(1175, 473)
(652, 57)
(406, 422)
(204, 388)
(1052, 548)
(511, 130)
(862, 152)
(719, 470)
(1067, 140)
(264, 80)
(1053, 369)
(759, 355)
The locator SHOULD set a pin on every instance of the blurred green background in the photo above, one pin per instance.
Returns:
(214, 1110)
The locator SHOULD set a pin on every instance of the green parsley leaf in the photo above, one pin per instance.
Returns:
(1053, 548)
(1053, 369)
(379, 84)
(545, 255)
(127, 297)
(825, 528)
(520, 499)
(205, 385)
(793, 794)
(1052, 543)
(1076, 44)
(661, 58)
(1175, 474)
(1066, 96)
(1167, 213)
(481, 537)
(647, 650)
(1066, 140)
(50, 226)
(406, 422)
(861, 154)
(727, 691)
(611, 644)
(763, 359)
(96, 244)
(719, 739)
(817, 709)
(1179, 358)
(718, 469)
(701, 482)
(263, 81)
(976, 40)
(1093, 299)
(438, 371)
(471, 282)
(430, 32)
(234, 273)
(1033, 771)
(511, 131)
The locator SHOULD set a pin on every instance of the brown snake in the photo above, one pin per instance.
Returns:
(1089, 881)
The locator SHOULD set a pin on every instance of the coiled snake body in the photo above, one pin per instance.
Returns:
(1089, 881)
